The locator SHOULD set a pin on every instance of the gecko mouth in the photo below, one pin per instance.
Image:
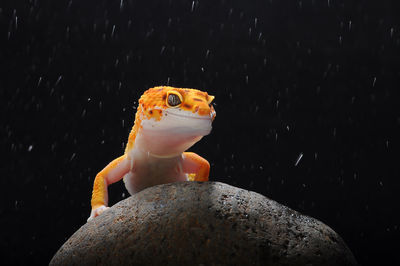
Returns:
(190, 116)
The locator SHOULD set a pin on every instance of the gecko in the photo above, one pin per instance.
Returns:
(168, 121)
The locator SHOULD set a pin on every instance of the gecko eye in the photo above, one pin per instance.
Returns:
(173, 100)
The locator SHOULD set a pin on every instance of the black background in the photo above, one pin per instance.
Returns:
(313, 78)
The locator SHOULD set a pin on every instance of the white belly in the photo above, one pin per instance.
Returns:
(149, 171)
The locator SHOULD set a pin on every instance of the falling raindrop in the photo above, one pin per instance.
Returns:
(40, 81)
(192, 9)
(112, 31)
(298, 159)
(58, 80)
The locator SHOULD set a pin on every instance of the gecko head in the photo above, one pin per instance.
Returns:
(173, 119)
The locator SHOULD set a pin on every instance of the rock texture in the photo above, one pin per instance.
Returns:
(210, 223)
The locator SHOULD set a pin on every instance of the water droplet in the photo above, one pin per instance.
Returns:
(298, 159)
(30, 148)
(112, 31)
(40, 81)
(192, 9)
(58, 80)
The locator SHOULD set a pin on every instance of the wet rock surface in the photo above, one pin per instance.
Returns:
(207, 223)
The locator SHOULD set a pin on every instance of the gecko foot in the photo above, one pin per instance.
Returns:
(96, 212)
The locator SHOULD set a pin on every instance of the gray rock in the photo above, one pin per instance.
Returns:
(207, 223)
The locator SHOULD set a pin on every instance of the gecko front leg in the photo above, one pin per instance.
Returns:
(197, 168)
(112, 173)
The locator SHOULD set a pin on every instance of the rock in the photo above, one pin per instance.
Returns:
(207, 223)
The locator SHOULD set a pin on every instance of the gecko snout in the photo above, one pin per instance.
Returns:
(202, 109)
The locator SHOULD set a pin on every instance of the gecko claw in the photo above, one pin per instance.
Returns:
(96, 212)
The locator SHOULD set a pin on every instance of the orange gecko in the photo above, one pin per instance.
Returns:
(168, 121)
